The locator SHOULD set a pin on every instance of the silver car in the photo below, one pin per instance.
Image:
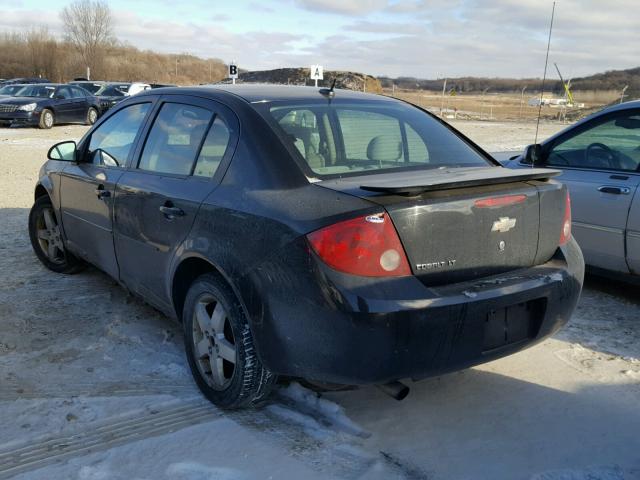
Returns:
(600, 162)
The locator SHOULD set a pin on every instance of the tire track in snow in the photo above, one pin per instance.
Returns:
(103, 436)
(16, 391)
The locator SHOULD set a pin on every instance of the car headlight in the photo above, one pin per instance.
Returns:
(29, 107)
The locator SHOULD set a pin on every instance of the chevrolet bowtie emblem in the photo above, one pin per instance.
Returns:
(503, 224)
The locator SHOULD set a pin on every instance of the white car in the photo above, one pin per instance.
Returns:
(137, 87)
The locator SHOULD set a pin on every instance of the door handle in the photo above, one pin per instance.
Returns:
(101, 193)
(170, 212)
(614, 189)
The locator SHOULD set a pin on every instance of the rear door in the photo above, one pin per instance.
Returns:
(80, 105)
(158, 198)
(63, 105)
(600, 164)
(87, 188)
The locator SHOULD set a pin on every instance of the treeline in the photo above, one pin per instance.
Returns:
(37, 53)
(607, 81)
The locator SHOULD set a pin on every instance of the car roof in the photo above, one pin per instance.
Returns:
(632, 104)
(254, 93)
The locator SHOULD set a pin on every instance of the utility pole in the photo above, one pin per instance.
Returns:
(522, 100)
(176, 69)
(622, 95)
(444, 88)
(482, 102)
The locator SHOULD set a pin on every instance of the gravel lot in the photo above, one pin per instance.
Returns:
(94, 384)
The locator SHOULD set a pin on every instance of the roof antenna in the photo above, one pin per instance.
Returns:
(328, 92)
(544, 76)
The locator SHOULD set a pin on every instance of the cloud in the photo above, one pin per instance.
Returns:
(420, 38)
(347, 7)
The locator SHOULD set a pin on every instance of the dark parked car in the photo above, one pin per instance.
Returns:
(107, 93)
(45, 105)
(600, 162)
(341, 237)
(90, 86)
(24, 81)
(10, 90)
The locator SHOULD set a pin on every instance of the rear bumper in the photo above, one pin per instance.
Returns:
(20, 118)
(338, 328)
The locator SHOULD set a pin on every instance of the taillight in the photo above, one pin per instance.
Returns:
(565, 235)
(367, 246)
(500, 201)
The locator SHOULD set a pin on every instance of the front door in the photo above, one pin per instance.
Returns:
(599, 164)
(88, 187)
(158, 199)
(633, 235)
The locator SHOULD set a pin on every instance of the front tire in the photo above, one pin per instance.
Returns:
(46, 239)
(47, 119)
(220, 348)
(92, 116)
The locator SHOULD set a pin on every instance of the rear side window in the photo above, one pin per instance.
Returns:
(175, 139)
(355, 138)
(112, 141)
(213, 149)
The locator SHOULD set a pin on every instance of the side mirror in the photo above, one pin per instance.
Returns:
(532, 154)
(63, 151)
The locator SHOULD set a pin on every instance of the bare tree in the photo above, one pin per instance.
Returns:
(43, 53)
(88, 26)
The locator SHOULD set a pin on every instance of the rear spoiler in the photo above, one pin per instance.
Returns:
(415, 183)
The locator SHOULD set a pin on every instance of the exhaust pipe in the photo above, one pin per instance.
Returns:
(396, 390)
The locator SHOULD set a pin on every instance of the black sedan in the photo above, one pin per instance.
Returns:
(336, 236)
(45, 105)
(24, 81)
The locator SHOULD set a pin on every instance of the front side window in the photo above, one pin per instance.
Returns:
(613, 144)
(343, 138)
(111, 142)
(175, 138)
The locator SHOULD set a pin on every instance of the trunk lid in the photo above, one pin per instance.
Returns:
(466, 223)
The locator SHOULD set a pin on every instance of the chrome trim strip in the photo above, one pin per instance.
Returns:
(617, 231)
(631, 233)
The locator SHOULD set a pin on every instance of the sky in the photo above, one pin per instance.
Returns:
(419, 38)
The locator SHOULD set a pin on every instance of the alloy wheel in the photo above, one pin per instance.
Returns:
(93, 116)
(213, 342)
(48, 119)
(49, 236)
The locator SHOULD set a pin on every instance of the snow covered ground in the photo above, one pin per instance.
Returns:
(94, 385)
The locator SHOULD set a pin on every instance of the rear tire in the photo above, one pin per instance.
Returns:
(220, 348)
(46, 239)
(47, 119)
(92, 116)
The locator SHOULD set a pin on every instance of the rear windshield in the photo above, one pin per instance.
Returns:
(10, 89)
(92, 88)
(113, 90)
(342, 139)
